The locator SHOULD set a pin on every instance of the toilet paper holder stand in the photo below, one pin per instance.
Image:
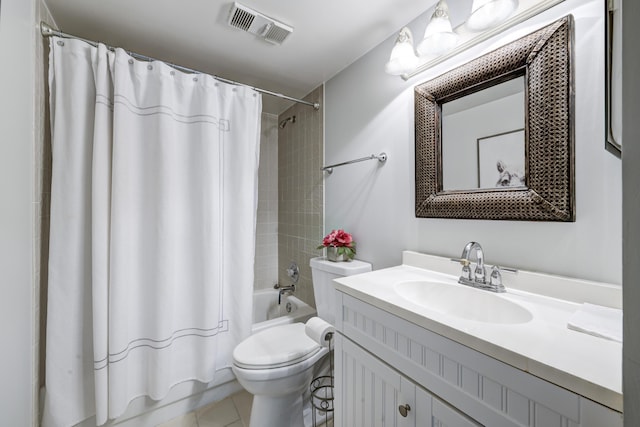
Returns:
(321, 388)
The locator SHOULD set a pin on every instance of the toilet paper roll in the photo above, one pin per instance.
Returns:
(317, 329)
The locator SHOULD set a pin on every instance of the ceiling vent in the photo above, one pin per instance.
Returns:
(254, 22)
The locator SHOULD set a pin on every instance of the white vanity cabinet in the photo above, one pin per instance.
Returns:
(383, 362)
(373, 394)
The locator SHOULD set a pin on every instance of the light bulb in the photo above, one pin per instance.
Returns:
(403, 58)
(489, 13)
(439, 37)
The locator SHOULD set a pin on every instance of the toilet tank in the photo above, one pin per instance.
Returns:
(322, 274)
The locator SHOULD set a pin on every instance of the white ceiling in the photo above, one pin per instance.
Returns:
(328, 36)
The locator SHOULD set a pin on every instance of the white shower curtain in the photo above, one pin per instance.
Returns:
(152, 238)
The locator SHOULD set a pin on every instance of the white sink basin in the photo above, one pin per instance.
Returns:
(462, 302)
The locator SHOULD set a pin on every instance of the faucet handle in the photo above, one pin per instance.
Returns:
(293, 272)
(466, 270)
(495, 274)
(495, 280)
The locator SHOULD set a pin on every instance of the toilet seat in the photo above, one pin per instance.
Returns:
(275, 347)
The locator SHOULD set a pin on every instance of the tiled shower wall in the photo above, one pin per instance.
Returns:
(301, 191)
(266, 262)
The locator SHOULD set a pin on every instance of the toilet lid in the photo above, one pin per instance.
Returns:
(275, 347)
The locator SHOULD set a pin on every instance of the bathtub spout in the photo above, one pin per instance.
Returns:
(285, 289)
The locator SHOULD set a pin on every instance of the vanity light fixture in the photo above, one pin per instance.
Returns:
(439, 37)
(403, 57)
(489, 13)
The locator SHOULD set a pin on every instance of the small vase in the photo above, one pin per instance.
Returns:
(332, 255)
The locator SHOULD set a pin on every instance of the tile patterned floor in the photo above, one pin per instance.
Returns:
(234, 411)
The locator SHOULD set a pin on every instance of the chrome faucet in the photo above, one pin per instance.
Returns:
(285, 289)
(478, 276)
(294, 274)
(480, 273)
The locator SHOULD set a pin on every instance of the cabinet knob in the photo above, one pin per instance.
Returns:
(404, 409)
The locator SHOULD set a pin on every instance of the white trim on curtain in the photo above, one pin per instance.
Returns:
(153, 212)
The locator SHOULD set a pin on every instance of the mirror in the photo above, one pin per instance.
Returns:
(483, 138)
(495, 137)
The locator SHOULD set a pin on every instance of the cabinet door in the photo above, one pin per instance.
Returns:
(430, 411)
(368, 392)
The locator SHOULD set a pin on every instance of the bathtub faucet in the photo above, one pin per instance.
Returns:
(285, 290)
(294, 274)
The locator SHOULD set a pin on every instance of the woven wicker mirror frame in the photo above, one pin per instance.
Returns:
(545, 59)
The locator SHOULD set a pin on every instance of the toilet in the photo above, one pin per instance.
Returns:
(276, 365)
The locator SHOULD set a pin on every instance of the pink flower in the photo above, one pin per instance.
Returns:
(329, 239)
(343, 238)
(338, 238)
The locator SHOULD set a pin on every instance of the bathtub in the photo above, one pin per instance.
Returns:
(267, 312)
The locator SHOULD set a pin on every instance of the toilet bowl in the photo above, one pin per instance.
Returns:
(276, 365)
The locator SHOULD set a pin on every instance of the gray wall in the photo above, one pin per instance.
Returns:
(631, 211)
(368, 112)
(18, 324)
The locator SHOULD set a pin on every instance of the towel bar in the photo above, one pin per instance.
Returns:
(382, 157)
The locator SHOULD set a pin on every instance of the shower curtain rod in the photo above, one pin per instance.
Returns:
(47, 31)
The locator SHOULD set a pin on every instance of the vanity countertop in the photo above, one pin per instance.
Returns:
(543, 346)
